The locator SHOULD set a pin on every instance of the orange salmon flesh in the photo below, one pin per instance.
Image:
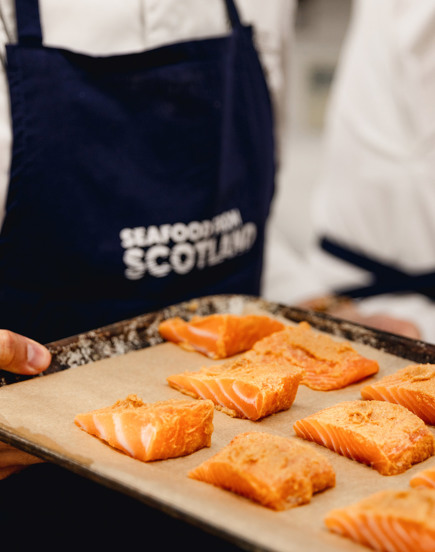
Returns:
(277, 472)
(219, 336)
(152, 431)
(383, 435)
(413, 387)
(389, 521)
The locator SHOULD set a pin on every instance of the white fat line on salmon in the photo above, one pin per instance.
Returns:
(366, 533)
(231, 400)
(384, 396)
(352, 451)
(389, 535)
(201, 393)
(315, 432)
(244, 399)
(100, 427)
(120, 435)
(147, 436)
(216, 398)
(348, 525)
(334, 442)
(202, 333)
(427, 478)
(346, 447)
(377, 530)
(424, 410)
(339, 439)
(401, 532)
(200, 349)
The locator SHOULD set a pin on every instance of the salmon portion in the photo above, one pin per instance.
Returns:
(328, 364)
(413, 387)
(243, 388)
(274, 471)
(153, 431)
(383, 435)
(390, 521)
(424, 478)
(219, 336)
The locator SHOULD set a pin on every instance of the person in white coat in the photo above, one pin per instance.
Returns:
(373, 255)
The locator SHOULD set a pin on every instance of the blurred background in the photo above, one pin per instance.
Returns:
(320, 29)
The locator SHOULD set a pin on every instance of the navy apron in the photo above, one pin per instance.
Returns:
(137, 180)
(385, 278)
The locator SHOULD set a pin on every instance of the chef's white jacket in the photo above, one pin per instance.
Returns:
(376, 192)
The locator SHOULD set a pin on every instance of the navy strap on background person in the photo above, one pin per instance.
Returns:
(386, 278)
(137, 180)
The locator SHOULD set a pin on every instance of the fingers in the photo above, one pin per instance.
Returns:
(342, 307)
(393, 325)
(6, 472)
(13, 460)
(21, 355)
(11, 456)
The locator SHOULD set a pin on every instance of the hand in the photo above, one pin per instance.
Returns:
(13, 460)
(342, 307)
(383, 322)
(21, 355)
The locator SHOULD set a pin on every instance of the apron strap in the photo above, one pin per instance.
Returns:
(28, 22)
(386, 278)
(233, 13)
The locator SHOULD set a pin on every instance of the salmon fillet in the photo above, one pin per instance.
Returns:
(328, 364)
(219, 336)
(275, 471)
(243, 388)
(152, 431)
(383, 435)
(413, 387)
(389, 521)
(424, 478)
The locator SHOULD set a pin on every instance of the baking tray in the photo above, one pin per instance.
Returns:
(96, 368)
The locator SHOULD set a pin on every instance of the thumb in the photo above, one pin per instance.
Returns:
(21, 355)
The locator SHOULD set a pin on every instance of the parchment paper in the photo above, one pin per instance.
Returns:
(38, 415)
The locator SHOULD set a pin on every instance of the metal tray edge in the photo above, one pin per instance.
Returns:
(142, 331)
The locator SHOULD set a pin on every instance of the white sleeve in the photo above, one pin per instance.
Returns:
(7, 34)
(415, 39)
(376, 193)
(273, 23)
